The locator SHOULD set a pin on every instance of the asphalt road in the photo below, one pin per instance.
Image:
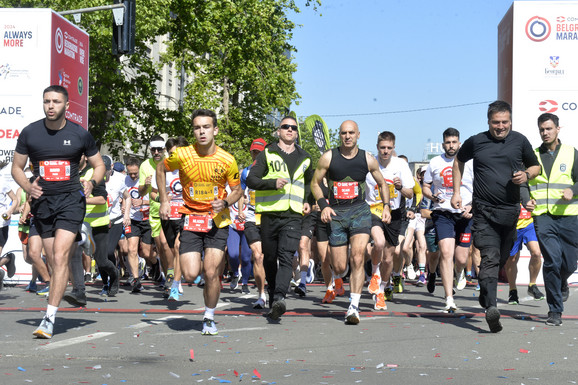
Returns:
(142, 339)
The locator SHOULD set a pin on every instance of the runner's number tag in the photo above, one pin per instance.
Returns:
(198, 223)
(345, 190)
(55, 170)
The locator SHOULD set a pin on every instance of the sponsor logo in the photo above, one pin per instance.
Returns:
(554, 61)
(58, 40)
(66, 142)
(554, 69)
(538, 29)
(553, 106)
(563, 167)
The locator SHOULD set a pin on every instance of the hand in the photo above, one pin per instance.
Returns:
(280, 183)
(35, 189)
(567, 194)
(126, 221)
(457, 201)
(519, 177)
(164, 210)
(306, 208)
(87, 187)
(467, 213)
(136, 202)
(326, 214)
(410, 214)
(397, 183)
(241, 216)
(148, 180)
(531, 205)
(386, 216)
(218, 205)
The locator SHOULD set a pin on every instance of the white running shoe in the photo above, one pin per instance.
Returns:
(461, 281)
(450, 305)
(411, 275)
(352, 316)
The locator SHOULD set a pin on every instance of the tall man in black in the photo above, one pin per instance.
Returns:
(281, 178)
(503, 160)
(54, 146)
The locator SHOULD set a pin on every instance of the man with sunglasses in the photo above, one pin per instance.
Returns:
(281, 177)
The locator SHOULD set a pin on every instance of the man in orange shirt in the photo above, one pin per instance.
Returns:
(204, 169)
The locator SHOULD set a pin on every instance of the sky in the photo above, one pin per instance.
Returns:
(371, 60)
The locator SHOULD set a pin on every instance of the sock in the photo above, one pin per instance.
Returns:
(395, 274)
(51, 312)
(330, 287)
(209, 313)
(531, 284)
(355, 299)
(303, 276)
(469, 273)
(170, 272)
(375, 269)
(422, 268)
(175, 284)
(382, 286)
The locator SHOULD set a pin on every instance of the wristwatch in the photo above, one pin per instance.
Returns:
(93, 183)
(226, 203)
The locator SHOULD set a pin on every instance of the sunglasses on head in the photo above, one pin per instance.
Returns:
(288, 126)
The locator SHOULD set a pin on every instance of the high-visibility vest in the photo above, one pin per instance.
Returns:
(291, 196)
(96, 215)
(548, 191)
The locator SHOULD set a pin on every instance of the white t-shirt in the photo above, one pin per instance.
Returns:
(137, 213)
(175, 190)
(5, 202)
(439, 176)
(115, 187)
(397, 167)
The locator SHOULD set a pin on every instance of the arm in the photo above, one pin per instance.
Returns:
(144, 182)
(457, 172)
(18, 164)
(405, 191)
(236, 193)
(95, 161)
(165, 208)
(259, 170)
(320, 172)
(126, 203)
(382, 186)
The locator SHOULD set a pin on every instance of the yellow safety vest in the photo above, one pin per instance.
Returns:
(96, 215)
(291, 196)
(548, 192)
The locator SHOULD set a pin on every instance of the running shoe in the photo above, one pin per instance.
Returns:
(535, 292)
(329, 296)
(493, 319)
(421, 281)
(209, 327)
(168, 284)
(174, 294)
(411, 275)
(141, 267)
(554, 319)
(352, 316)
(31, 287)
(301, 290)
(75, 298)
(397, 284)
(461, 281)
(104, 291)
(44, 291)
(234, 282)
(113, 284)
(277, 310)
(136, 286)
(339, 290)
(513, 297)
(478, 287)
(87, 278)
(259, 304)
(431, 282)
(310, 272)
(10, 266)
(450, 305)
(197, 280)
(388, 293)
(373, 287)
(45, 329)
(565, 291)
(245, 289)
(380, 302)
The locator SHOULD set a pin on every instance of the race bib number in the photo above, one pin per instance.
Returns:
(145, 212)
(525, 214)
(465, 237)
(252, 197)
(377, 209)
(55, 170)
(203, 191)
(447, 180)
(175, 206)
(345, 190)
(198, 223)
(392, 191)
(239, 225)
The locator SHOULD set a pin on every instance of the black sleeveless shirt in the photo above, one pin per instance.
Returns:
(346, 178)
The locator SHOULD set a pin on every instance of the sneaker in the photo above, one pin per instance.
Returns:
(310, 272)
(450, 305)
(461, 281)
(136, 286)
(259, 304)
(277, 310)
(31, 287)
(301, 290)
(431, 282)
(201, 282)
(87, 277)
(45, 329)
(245, 289)
(11, 265)
(373, 287)
(388, 294)
(209, 327)
(174, 294)
(197, 280)
(421, 281)
(554, 319)
(113, 283)
(565, 291)
(329, 296)
(478, 287)
(380, 302)
(493, 319)
(234, 282)
(535, 292)
(75, 298)
(397, 284)
(338, 287)
(411, 275)
(141, 266)
(352, 316)
(44, 291)
(513, 297)
(104, 291)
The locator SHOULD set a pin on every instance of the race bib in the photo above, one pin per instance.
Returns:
(198, 223)
(525, 214)
(239, 225)
(203, 191)
(55, 170)
(175, 206)
(257, 219)
(345, 190)
(392, 191)
(377, 209)
(145, 212)
(252, 197)
(465, 237)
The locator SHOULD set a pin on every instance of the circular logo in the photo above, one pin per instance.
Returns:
(80, 86)
(549, 106)
(58, 40)
(538, 29)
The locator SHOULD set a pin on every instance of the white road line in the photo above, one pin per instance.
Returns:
(155, 321)
(76, 340)
(221, 331)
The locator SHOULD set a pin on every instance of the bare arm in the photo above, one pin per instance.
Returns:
(457, 172)
(320, 172)
(18, 164)
(165, 209)
(236, 192)
(97, 164)
(383, 189)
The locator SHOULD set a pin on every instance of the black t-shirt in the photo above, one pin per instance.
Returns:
(344, 173)
(55, 154)
(495, 161)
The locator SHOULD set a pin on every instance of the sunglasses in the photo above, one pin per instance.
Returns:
(288, 126)
(157, 149)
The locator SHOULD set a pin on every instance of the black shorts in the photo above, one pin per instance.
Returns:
(197, 242)
(391, 230)
(172, 228)
(404, 225)
(141, 229)
(63, 211)
(4, 235)
(308, 223)
(321, 229)
(252, 232)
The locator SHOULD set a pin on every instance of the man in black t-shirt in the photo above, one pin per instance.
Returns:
(503, 160)
(54, 146)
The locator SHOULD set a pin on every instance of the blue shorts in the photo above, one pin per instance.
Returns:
(525, 235)
(348, 222)
(453, 225)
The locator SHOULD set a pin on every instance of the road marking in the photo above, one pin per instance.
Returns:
(220, 331)
(155, 321)
(76, 340)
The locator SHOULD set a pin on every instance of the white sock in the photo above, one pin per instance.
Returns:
(355, 297)
(382, 286)
(209, 313)
(375, 269)
(51, 312)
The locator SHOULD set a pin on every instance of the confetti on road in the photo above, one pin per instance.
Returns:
(256, 373)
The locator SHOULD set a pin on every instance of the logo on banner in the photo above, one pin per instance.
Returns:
(552, 106)
(538, 29)
(554, 61)
(552, 70)
(58, 40)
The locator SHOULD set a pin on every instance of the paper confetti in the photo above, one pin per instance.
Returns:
(524, 351)
(256, 373)
(236, 373)
(20, 369)
(192, 352)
